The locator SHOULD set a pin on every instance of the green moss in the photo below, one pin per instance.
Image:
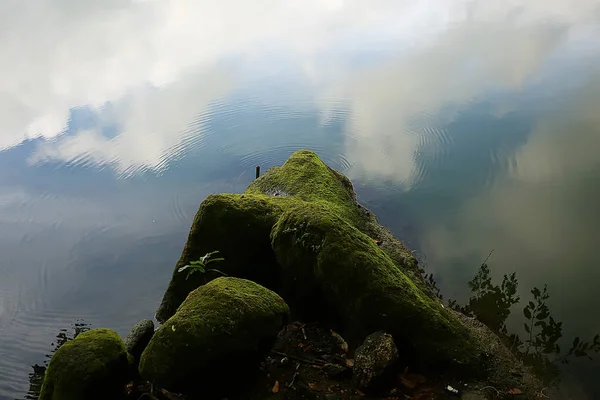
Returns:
(238, 226)
(307, 178)
(95, 365)
(219, 330)
(363, 289)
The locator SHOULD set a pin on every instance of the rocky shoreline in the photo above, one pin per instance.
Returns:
(296, 246)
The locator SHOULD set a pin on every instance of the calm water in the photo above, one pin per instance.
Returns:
(465, 125)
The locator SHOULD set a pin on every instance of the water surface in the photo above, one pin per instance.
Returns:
(465, 126)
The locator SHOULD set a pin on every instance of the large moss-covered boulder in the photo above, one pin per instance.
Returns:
(355, 285)
(238, 226)
(95, 365)
(220, 331)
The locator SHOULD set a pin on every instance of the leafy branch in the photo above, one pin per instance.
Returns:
(491, 304)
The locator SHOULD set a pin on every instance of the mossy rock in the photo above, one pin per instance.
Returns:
(299, 230)
(238, 226)
(95, 365)
(355, 285)
(220, 331)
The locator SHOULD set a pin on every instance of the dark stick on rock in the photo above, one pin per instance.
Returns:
(257, 171)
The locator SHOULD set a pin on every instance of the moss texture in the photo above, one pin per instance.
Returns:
(95, 365)
(359, 287)
(299, 231)
(238, 226)
(219, 332)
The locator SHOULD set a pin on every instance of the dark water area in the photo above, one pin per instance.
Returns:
(464, 126)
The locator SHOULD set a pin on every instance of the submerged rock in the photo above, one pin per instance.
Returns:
(138, 338)
(95, 365)
(217, 335)
(374, 359)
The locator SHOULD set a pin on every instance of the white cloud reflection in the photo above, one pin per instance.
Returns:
(400, 106)
(153, 123)
(60, 54)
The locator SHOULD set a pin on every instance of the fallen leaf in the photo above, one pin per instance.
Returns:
(301, 345)
(275, 387)
(349, 363)
(515, 392)
(361, 394)
(313, 386)
(407, 382)
(394, 390)
(341, 341)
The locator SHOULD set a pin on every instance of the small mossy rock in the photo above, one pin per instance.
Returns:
(220, 331)
(138, 337)
(374, 360)
(327, 261)
(307, 178)
(95, 365)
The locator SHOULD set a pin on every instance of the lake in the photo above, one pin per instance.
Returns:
(465, 126)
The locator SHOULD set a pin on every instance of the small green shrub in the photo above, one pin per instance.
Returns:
(200, 265)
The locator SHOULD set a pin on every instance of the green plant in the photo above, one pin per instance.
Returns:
(491, 304)
(200, 265)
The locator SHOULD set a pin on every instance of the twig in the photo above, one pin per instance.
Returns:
(488, 257)
(491, 387)
(296, 373)
(304, 333)
(541, 394)
(313, 361)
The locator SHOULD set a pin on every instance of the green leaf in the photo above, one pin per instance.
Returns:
(542, 315)
(527, 313)
(217, 271)
(215, 259)
(527, 329)
(531, 305)
(585, 346)
(183, 268)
